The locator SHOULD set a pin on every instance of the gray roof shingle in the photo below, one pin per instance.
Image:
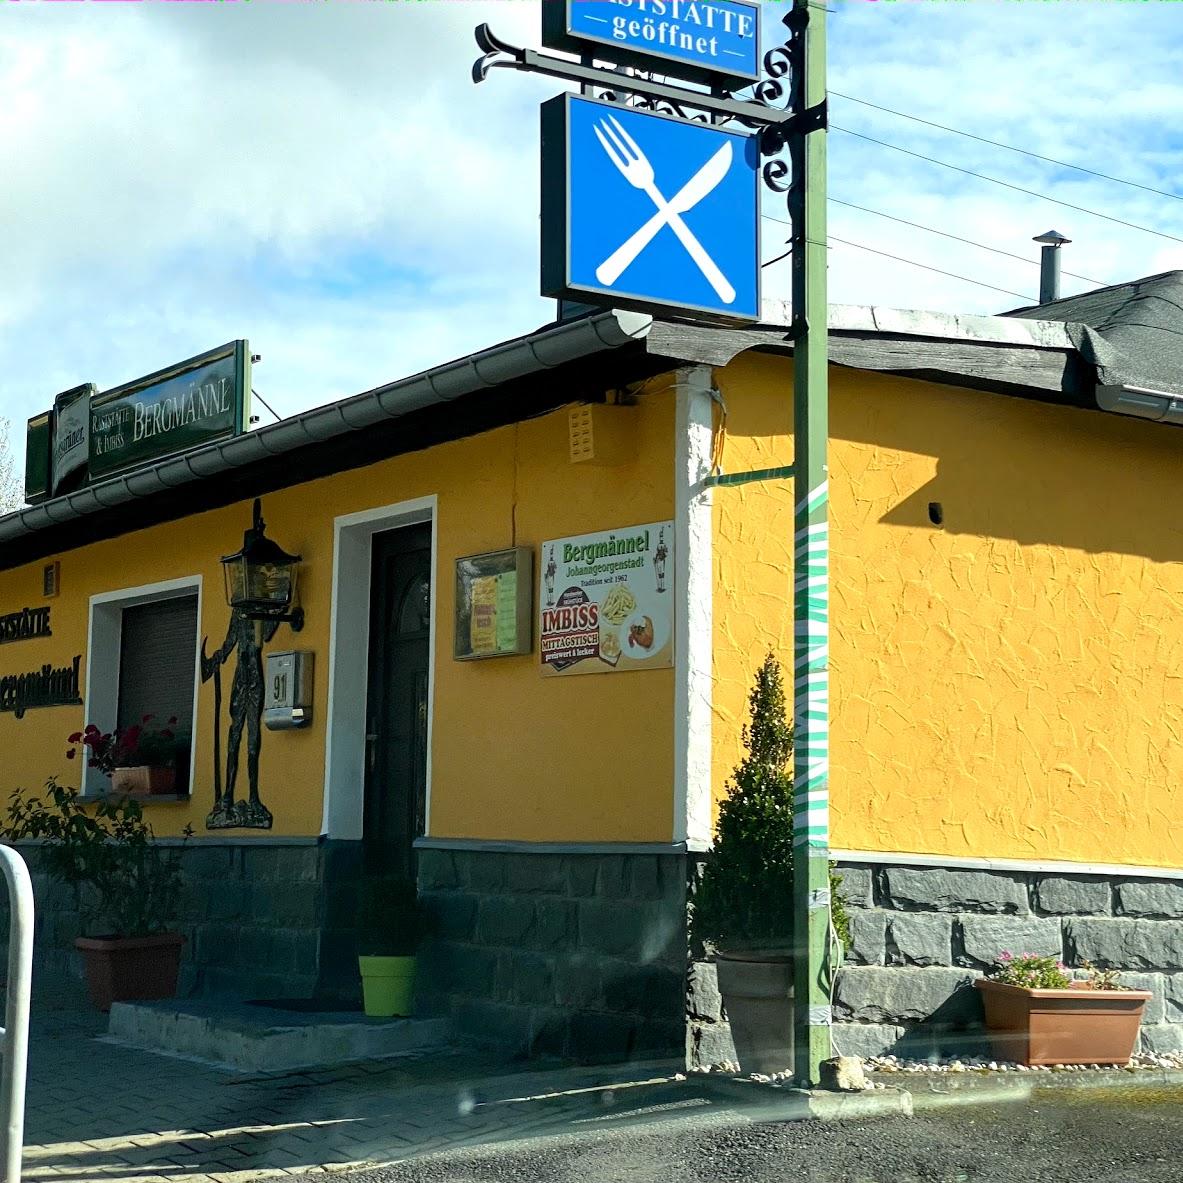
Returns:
(1141, 322)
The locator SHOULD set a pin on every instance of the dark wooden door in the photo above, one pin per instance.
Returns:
(396, 705)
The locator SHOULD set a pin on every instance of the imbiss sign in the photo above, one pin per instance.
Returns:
(606, 601)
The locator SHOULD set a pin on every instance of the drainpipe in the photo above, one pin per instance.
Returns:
(1049, 265)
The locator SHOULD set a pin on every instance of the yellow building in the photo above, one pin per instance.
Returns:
(476, 539)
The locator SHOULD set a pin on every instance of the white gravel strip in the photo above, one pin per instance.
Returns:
(1152, 1061)
(1141, 1061)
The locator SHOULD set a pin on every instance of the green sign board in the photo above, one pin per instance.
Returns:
(88, 437)
(71, 424)
(176, 410)
(37, 444)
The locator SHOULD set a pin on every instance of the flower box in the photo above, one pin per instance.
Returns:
(146, 780)
(1073, 1026)
(124, 969)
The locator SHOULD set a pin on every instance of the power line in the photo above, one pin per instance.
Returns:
(1006, 184)
(912, 263)
(900, 259)
(1010, 147)
(957, 238)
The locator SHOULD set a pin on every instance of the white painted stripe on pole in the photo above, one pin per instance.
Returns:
(813, 819)
(810, 783)
(815, 779)
(809, 798)
(815, 498)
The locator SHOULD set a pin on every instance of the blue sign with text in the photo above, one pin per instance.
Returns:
(701, 39)
(649, 211)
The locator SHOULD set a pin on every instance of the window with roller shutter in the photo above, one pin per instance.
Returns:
(157, 666)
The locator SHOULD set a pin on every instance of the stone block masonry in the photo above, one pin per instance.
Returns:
(260, 921)
(579, 954)
(922, 934)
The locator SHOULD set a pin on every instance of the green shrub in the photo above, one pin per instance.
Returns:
(124, 882)
(744, 898)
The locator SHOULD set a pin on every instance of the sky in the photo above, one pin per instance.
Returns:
(323, 178)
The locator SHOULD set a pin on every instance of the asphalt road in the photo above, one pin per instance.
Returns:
(1058, 1135)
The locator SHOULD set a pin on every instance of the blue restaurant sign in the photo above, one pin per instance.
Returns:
(714, 41)
(643, 210)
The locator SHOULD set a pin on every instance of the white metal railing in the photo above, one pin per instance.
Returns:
(14, 1038)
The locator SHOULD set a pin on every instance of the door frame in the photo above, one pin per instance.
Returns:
(349, 635)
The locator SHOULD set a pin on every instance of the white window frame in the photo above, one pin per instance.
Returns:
(349, 648)
(103, 648)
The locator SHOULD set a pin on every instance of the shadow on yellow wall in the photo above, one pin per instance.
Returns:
(1006, 684)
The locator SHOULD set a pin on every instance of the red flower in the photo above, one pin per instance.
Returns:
(71, 754)
(75, 738)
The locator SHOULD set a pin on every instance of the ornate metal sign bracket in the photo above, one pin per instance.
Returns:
(501, 54)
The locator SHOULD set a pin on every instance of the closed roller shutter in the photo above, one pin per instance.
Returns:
(157, 662)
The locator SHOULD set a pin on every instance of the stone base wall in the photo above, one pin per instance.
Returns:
(260, 921)
(922, 934)
(584, 954)
(580, 955)
(574, 954)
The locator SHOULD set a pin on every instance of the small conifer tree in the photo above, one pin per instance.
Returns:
(745, 896)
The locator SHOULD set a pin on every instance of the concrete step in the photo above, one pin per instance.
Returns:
(251, 1038)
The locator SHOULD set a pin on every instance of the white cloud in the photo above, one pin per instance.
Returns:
(325, 180)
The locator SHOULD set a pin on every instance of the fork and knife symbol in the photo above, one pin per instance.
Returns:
(635, 167)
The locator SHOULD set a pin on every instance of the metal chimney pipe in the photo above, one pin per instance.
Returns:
(1049, 265)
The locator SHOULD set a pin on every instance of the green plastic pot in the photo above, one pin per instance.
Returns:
(388, 985)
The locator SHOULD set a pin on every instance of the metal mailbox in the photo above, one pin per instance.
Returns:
(289, 690)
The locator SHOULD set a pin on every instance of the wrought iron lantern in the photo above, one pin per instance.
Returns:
(659, 558)
(261, 577)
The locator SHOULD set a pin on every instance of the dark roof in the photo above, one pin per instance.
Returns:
(1142, 322)
(578, 360)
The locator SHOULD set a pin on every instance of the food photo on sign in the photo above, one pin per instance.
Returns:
(606, 602)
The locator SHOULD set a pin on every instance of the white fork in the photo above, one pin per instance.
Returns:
(634, 166)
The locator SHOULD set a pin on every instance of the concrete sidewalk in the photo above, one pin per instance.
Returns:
(98, 1110)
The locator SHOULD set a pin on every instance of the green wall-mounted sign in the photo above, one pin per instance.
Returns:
(71, 431)
(88, 437)
(197, 402)
(37, 446)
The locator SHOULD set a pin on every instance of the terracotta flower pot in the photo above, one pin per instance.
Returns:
(1080, 1026)
(125, 969)
(757, 991)
(146, 780)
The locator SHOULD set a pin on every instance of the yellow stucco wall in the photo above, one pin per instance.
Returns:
(514, 755)
(1009, 684)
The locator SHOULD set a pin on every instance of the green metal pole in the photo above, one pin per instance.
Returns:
(811, 557)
